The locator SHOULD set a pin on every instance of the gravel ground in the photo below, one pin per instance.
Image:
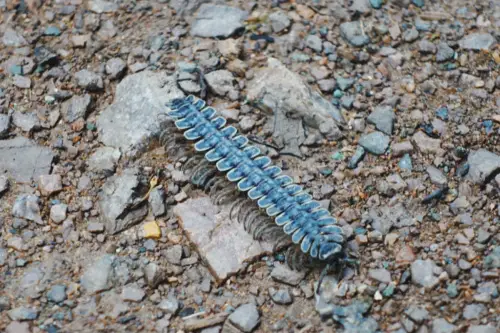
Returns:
(387, 111)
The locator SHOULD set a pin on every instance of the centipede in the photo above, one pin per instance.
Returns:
(269, 204)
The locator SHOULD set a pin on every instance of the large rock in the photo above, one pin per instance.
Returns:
(483, 165)
(246, 317)
(23, 159)
(277, 87)
(225, 245)
(384, 218)
(27, 207)
(218, 21)
(97, 276)
(383, 118)
(354, 33)
(118, 201)
(138, 112)
(13, 38)
(188, 7)
(477, 41)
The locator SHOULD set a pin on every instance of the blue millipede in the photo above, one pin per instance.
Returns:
(295, 216)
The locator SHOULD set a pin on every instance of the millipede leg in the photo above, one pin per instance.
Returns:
(206, 176)
(235, 207)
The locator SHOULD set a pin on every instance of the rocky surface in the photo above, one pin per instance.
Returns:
(387, 112)
(224, 245)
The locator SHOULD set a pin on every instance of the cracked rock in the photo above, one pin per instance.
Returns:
(27, 207)
(272, 89)
(483, 165)
(117, 201)
(218, 21)
(216, 237)
(125, 124)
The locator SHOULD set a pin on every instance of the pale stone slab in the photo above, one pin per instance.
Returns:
(224, 244)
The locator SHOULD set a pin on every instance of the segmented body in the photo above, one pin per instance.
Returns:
(301, 219)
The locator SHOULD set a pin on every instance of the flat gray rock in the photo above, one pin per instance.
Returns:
(353, 33)
(218, 21)
(4, 125)
(216, 237)
(101, 6)
(23, 313)
(375, 142)
(104, 159)
(157, 201)
(385, 217)
(138, 112)
(481, 329)
(279, 21)
(117, 201)
(133, 293)
(483, 165)
(246, 317)
(440, 325)
(477, 41)
(426, 144)
(188, 7)
(422, 273)
(383, 118)
(27, 207)
(4, 184)
(89, 80)
(76, 107)
(13, 38)
(23, 159)
(436, 176)
(277, 87)
(97, 276)
(380, 274)
(26, 121)
(284, 274)
(221, 82)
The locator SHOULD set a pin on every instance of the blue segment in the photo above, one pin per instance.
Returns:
(218, 122)
(241, 171)
(199, 104)
(270, 198)
(217, 153)
(337, 238)
(228, 163)
(186, 123)
(315, 247)
(251, 151)
(298, 236)
(208, 143)
(311, 206)
(251, 181)
(262, 162)
(240, 141)
(290, 228)
(229, 132)
(280, 206)
(180, 112)
(261, 190)
(284, 180)
(208, 113)
(302, 198)
(305, 246)
(198, 132)
(293, 189)
(326, 250)
(272, 171)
